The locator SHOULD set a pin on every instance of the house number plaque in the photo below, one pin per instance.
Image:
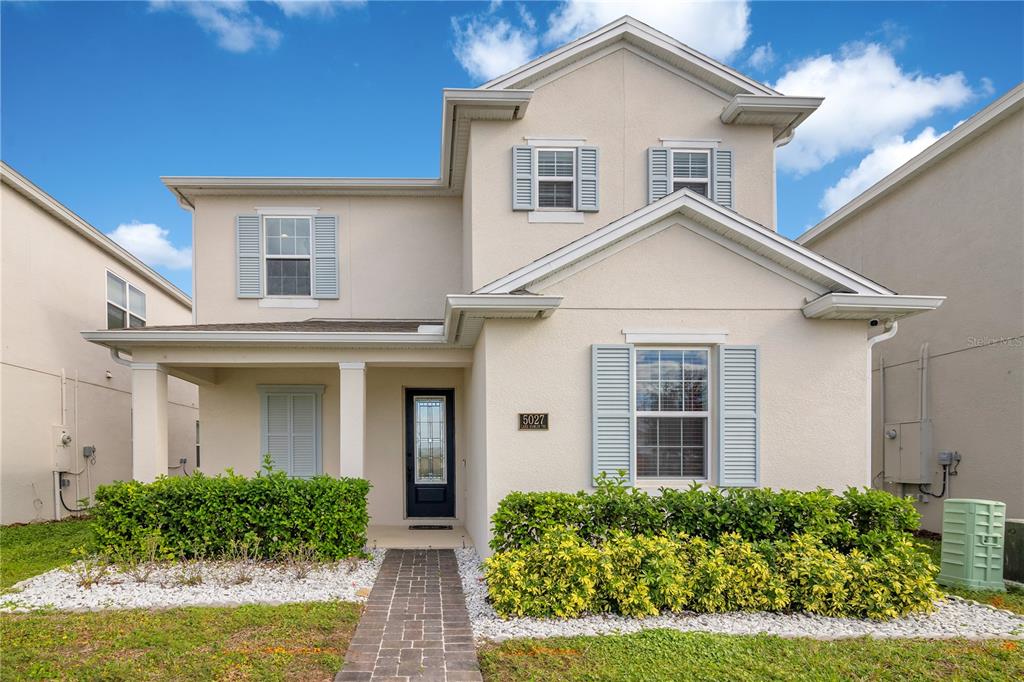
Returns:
(533, 421)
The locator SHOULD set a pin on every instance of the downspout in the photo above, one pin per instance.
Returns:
(891, 327)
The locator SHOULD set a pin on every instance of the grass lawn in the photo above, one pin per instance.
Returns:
(295, 642)
(35, 548)
(1011, 600)
(673, 655)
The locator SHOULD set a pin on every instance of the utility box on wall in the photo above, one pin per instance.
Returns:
(908, 452)
(972, 544)
(1013, 551)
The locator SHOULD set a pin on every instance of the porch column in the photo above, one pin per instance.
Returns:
(149, 421)
(353, 418)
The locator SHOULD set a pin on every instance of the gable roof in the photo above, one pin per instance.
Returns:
(839, 293)
(70, 219)
(949, 143)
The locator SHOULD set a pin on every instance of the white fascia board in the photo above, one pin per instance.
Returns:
(127, 339)
(36, 195)
(787, 112)
(683, 201)
(947, 144)
(866, 307)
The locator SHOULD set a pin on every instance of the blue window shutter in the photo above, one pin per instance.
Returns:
(659, 173)
(325, 257)
(247, 247)
(304, 435)
(276, 427)
(587, 162)
(738, 432)
(290, 429)
(724, 192)
(522, 178)
(612, 388)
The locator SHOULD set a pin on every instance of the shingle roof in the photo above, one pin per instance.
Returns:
(311, 325)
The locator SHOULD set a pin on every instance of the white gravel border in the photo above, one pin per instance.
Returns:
(953, 617)
(270, 584)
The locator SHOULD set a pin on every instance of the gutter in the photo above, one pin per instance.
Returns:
(892, 326)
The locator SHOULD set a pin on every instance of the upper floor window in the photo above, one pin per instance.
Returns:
(672, 413)
(556, 178)
(288, 255)
(126, 305)
(691, 170)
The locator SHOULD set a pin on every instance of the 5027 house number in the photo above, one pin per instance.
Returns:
(533, 421)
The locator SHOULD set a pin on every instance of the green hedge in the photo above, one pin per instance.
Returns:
(203, 516)
(564, 576)
(864, 519)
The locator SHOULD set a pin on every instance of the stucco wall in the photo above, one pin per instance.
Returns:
(957, 229)
(813, 373)
(53, 287)
(398, 257)
(623, 104)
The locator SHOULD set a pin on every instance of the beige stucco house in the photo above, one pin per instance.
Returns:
(60, 394)
(593, 283)
(952, 220)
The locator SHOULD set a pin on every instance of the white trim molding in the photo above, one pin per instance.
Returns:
(668, 336)
(288, 302)
(570, 141)
(351, 365)
(287, 210)
(838, 306)
(682, 143)
(548, 216)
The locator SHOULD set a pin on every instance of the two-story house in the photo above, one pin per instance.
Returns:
(65, 404)
(593, 283)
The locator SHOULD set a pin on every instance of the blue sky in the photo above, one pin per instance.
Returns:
(99, 99)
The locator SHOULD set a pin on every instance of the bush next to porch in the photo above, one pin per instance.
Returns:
(210, 517)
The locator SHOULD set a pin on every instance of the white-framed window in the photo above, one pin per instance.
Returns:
(290, 428)
(672, 412)
(288, 255)
(126, 304)
(691, 169)
(556, 178)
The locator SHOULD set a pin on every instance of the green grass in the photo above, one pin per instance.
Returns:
(1011, 600)
(673, 655)
(295, 642)
(31, 549)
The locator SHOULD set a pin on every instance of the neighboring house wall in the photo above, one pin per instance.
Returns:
(813, 382)
(956, 229)
(398, 257)
(622, 104)
(54, 286)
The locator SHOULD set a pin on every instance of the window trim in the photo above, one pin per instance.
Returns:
(710, 430)
(444, 440)
(264, 256)
(317, 391)
(537, 179)
(126, 308)
(691, 150)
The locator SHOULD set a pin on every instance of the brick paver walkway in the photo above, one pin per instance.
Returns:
(415, 626)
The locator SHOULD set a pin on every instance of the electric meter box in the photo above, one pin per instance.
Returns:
(908, 448)
(972, 544)
(62, 440)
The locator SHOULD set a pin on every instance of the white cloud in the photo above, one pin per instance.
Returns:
(719, 29)
(232, 22)
(488, 46)
(307, 8)
(762, 57)
(150, 244)
(869, 100)
(884, 159)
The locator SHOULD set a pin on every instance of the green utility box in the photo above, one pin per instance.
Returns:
(972, 544)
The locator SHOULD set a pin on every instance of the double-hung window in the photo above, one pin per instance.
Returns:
(126, 305)
(691, 169)
(672, 413)
(556, 178)
(288, 253)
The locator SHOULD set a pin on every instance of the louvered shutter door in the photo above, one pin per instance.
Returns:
(325, 257)
(277, 430)
(724, 194)
(659, 173)
(304, 436)
(247, 250)
(587, 163)
(522, 178)
(739, 450)
(612, 368)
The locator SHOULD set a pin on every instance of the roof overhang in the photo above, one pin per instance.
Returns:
(459, 107)
(839, 306)
(782, 112)
(463, 319)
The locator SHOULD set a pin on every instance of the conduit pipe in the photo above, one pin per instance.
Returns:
(891, 327)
